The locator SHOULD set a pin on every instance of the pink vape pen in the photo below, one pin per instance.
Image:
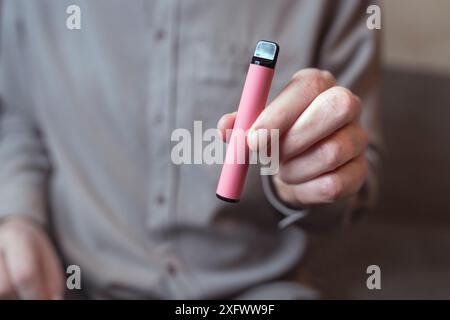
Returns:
(253, 101)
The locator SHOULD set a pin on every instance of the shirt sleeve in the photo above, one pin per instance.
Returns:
(23, 160)
(349, 50)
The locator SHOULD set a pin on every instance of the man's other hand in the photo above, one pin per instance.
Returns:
(29, 267)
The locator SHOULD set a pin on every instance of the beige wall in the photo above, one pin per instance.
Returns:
(416, 34)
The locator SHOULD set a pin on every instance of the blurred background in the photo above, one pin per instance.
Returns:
(408, 233)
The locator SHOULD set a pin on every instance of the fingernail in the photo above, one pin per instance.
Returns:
(57, 297)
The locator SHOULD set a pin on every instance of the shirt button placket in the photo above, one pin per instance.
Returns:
(160, 179)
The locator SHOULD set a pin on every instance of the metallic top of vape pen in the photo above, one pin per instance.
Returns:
(266, 54)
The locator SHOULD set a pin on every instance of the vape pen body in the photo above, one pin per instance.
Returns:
(252, 103)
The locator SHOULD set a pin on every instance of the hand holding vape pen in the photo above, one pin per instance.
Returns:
(253, 101)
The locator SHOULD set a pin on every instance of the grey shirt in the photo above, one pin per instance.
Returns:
(87, 116)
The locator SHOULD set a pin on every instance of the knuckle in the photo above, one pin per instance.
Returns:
(327, 75)
(344, 95)
(342, 103)
(316, 85)
(332, 154)
(305, 73)
(332, 188)
(316, 80)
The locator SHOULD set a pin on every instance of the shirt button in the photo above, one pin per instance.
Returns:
(171, 269)
(160, 199)
(158, 119)
(160, 34)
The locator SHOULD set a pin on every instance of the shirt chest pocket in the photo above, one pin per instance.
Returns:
(219, 75)
(222, 63)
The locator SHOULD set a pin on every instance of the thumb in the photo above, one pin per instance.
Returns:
(226, 123)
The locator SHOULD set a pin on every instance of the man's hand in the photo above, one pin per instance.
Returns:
(322, 143)
(29, 267)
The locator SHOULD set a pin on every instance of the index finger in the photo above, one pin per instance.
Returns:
(289, 104)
